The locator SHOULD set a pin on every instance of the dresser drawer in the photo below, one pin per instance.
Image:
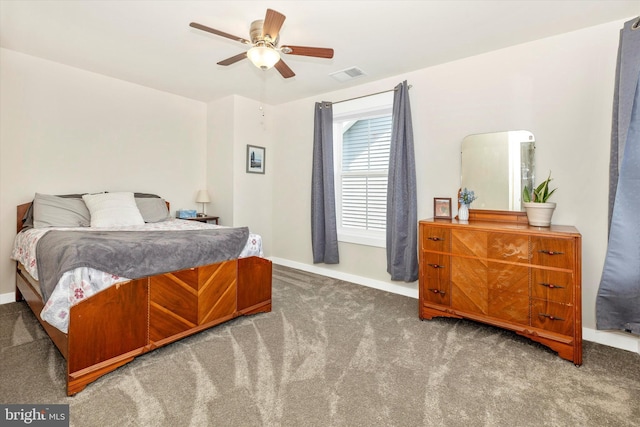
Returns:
(550, 285)
(508, 247)
(435, 283)
(551, 252)
(436, 239)
(497, 246)
(552, 316)
(469, 243)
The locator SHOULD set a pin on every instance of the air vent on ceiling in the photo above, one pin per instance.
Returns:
(347, 74)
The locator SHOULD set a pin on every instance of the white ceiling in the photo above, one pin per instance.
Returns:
(150, 42)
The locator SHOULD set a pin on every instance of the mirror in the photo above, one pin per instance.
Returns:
(497, 166)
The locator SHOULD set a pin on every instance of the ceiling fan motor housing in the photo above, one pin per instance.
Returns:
(256, 35)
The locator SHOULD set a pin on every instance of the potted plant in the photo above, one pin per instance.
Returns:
(539, 210)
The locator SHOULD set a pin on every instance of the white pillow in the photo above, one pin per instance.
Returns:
(113, 209)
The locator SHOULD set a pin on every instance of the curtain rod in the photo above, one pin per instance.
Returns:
(365, 96)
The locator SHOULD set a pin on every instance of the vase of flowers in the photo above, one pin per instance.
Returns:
(539, 210)
(466, 198)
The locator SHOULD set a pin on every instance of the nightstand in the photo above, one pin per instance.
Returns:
(203, 219)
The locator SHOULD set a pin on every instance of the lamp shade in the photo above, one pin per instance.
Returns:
(203, 197)
(263, 57)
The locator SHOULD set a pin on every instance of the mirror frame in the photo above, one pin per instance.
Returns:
(518, 217)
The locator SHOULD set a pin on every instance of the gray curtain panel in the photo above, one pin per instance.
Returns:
(618, 300)
(402, 212)
(617, 144)
(324, 234)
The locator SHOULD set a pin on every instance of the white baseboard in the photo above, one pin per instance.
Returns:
(619, 340)
(359, 280)
(7, 298)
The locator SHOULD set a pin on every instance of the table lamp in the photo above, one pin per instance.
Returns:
(203, 197)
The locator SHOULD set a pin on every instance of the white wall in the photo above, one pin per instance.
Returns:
(559, 88)
(66, 130)
(220, 164)
(240, 198)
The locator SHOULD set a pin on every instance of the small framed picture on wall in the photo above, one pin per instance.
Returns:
(442, 207)
(255, 159)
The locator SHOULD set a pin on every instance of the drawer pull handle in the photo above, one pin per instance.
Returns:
(437, 291)
(542, 251)
(435, 239)
(436, 266)
(552, 286)
(550, 317)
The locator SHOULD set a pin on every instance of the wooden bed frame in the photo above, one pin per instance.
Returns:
(112, 327)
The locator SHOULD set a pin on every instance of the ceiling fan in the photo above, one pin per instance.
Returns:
(264, 52)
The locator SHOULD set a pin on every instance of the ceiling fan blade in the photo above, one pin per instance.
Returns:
(233, 59)
(284, 69)
(272, 23)
(318, 52)
(219, 33)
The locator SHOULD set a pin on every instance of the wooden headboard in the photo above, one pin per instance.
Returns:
(22, 209)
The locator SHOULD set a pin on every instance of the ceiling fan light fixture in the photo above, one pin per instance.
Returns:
(263, 57)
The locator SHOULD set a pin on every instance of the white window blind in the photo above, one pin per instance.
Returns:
(363, 157)
(365, 165)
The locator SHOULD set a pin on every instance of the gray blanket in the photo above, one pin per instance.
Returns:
(133, 254)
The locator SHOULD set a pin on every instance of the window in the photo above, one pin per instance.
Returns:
(362, 141)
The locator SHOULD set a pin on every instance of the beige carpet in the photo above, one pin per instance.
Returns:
(332, 354)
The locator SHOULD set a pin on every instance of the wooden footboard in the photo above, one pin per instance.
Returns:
(126, 320)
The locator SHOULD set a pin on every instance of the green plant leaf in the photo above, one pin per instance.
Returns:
(541, 193)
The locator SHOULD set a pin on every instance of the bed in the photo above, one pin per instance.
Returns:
(129, 317)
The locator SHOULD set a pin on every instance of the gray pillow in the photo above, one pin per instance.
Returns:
(56, 211)
(27, 219)
(153, 209)
(145, 195)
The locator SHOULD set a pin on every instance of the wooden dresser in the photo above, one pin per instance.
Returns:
(510, 275)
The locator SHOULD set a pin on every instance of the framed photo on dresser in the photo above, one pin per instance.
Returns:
(442, 207)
